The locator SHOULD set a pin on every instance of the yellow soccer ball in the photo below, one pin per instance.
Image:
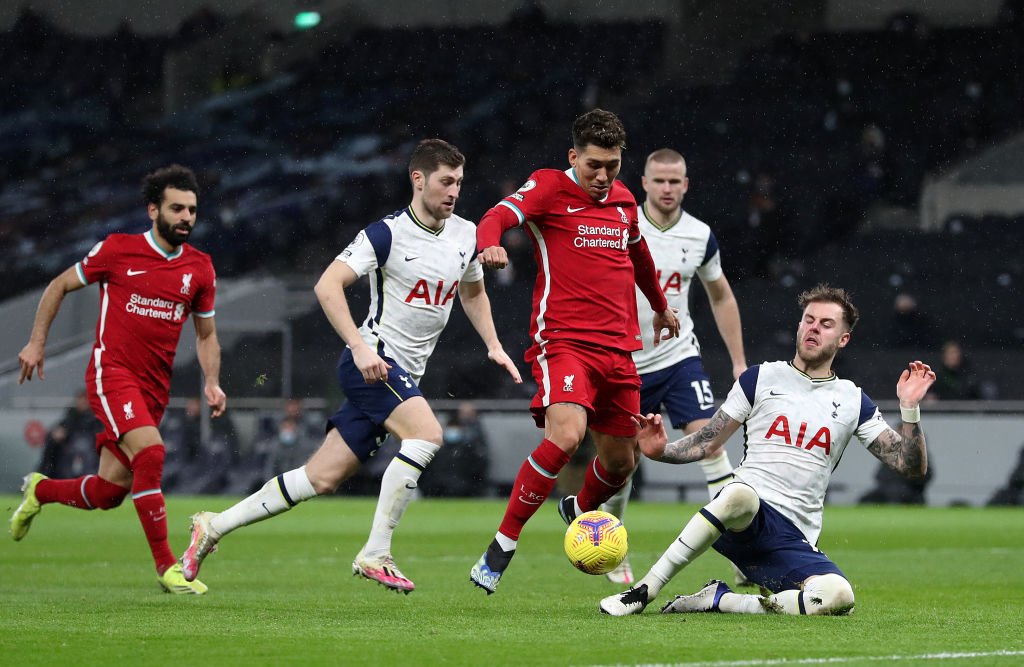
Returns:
(596, 542)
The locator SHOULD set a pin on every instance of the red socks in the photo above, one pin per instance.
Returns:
(598, 486)
(147, 469)
(90, 492)
(534, 482)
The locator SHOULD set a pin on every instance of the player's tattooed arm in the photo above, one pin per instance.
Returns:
(703, 443)
(904, 452)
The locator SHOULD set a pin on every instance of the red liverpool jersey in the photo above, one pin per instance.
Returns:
(585, 281)
(146, 295)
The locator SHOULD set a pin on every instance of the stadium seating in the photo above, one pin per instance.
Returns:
(293, 165)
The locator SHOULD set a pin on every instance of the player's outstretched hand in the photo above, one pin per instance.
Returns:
(493, 257)
(498, 356)
(216, 399)
(666, 319)
(651, 435)
(31, 359)
(913, 384)
(373, 368)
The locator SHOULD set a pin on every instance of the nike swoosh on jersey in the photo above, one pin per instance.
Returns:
(135, 273)
(772, 393)
(570, 209)
(409, 259)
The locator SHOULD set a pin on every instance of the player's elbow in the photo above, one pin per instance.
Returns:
(323, 290)
(916, 472)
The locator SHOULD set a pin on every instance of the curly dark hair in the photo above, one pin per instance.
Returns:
(598, 128)
(823, 292)
(173, 176)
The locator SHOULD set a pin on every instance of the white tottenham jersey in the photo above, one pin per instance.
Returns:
(681, 251)
(415, 279)
(795, 431)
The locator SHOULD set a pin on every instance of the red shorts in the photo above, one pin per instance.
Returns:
(121, 404)
(601, 380)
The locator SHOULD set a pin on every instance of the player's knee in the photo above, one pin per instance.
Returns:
(324, 484)
(567, 436)
(433, 433)
(736, 506)
(828, 594)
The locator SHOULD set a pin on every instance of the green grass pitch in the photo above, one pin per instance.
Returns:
(933, 586)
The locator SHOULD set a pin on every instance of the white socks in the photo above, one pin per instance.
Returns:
(717, 472)
(278, 495)
(506, 543)
(397, 488)
(733, 509)
(695, 539)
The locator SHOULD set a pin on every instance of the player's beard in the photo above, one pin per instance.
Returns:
(438, 212)
(167, 231)
(817, 356)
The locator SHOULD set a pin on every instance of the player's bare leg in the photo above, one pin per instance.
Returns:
(416, 427)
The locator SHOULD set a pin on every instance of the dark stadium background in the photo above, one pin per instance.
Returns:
(879, 142)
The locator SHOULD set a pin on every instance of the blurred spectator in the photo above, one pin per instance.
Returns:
(293, 439)
(955, 381)
(529, 15)
(891, 488)
(873, 171)
(1013, 492)
(202, 23)
(460, 467)
(294, 411)
(768, 233)
(909, 327)
(70, 449)
(194, 466)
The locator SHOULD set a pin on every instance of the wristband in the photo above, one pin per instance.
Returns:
(910, 415)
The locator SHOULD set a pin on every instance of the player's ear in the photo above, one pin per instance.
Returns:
(153, 210)
(573, 156)
(844, 339)
(418, 179)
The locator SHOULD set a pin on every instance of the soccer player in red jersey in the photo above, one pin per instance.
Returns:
(149, 284)
(589, 254)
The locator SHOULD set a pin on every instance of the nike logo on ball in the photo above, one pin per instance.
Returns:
(134, 273)
(570, 209)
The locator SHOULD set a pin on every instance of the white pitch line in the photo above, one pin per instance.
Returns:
(826, 661)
